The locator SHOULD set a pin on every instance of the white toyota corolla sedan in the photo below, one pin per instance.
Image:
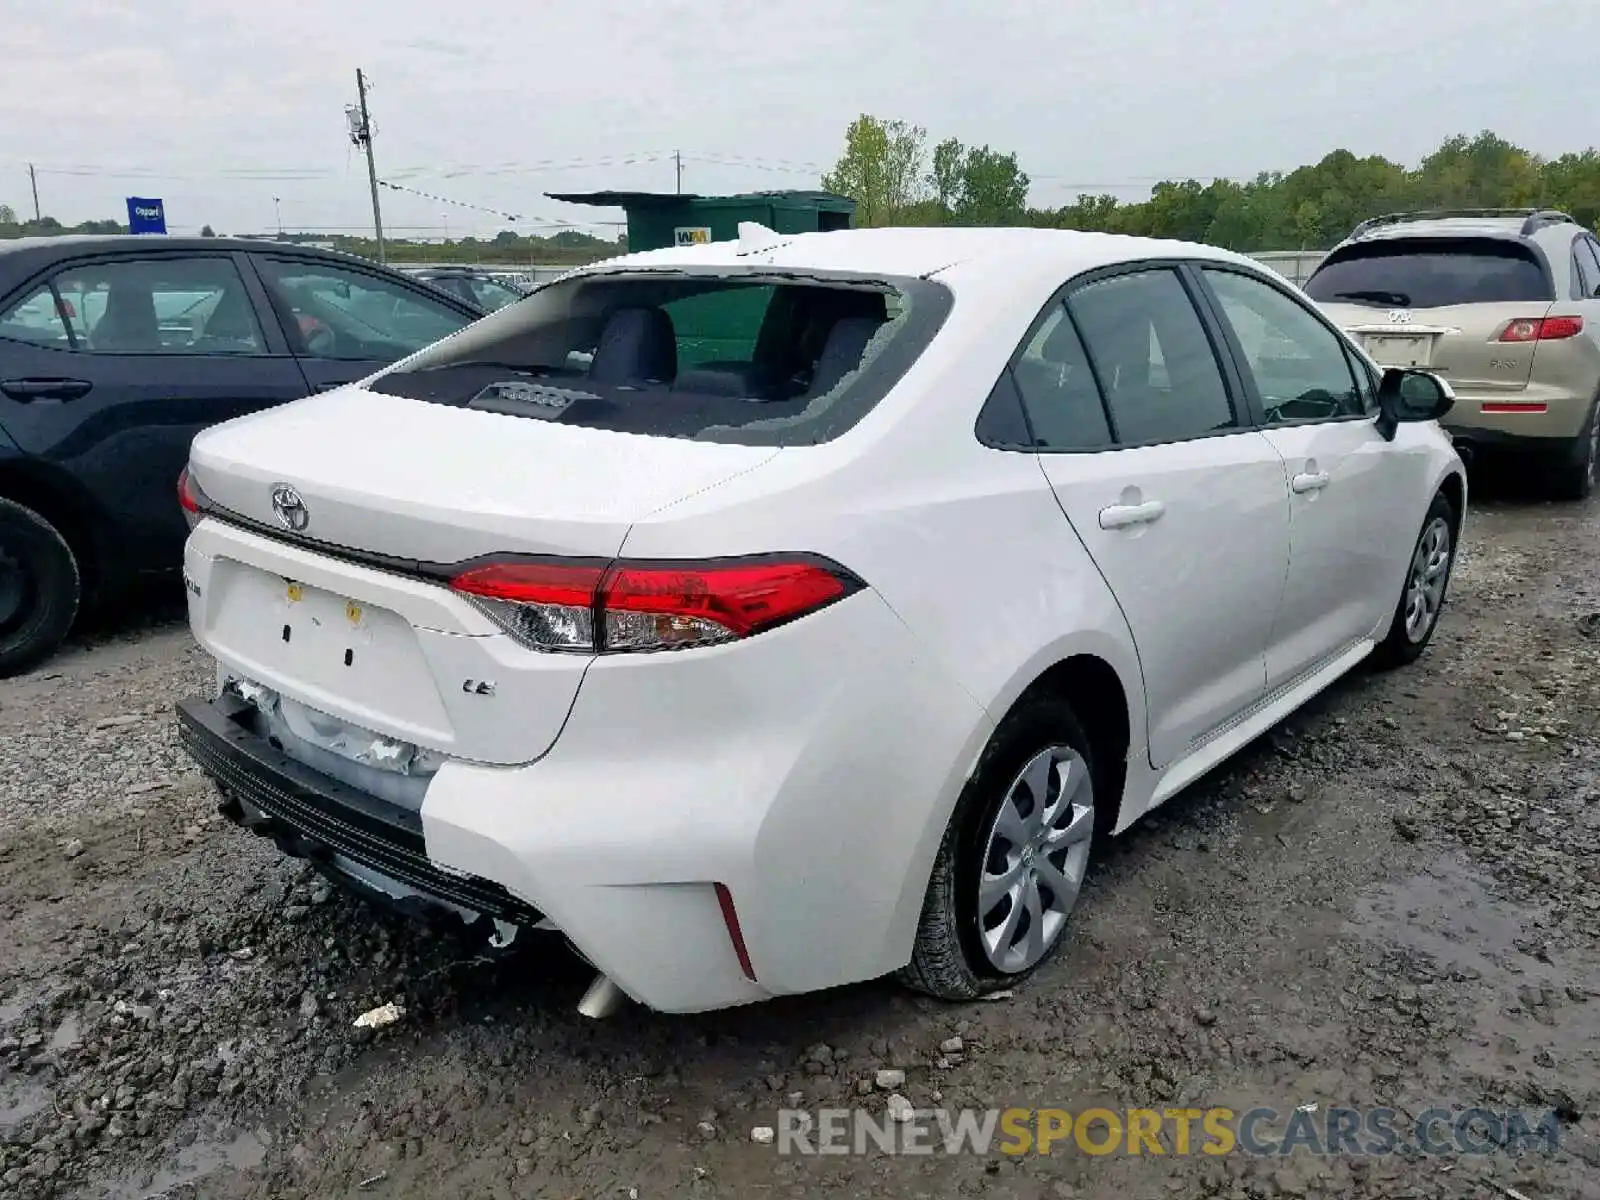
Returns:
(783, 612)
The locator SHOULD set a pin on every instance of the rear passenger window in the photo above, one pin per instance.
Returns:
(1058, 389)
(36, 319)
(1299, 365)
(1153, 358)
(164, 305)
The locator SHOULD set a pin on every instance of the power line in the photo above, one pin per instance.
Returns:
(395, 187)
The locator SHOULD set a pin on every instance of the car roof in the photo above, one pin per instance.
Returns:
(1515, 225)
(25, 254)
(1446, 227)
(922, 251)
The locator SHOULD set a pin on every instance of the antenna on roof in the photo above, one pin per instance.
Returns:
(755, 237)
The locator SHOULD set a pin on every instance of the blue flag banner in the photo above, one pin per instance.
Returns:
(146, 215)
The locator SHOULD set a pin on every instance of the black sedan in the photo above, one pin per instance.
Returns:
(116, 351)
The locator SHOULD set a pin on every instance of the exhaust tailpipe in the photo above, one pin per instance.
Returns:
(602, 999)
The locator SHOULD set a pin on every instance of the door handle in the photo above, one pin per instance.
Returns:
(1309, 481)
(1121, 516)
(28, 390)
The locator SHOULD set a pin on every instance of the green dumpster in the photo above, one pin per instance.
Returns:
(724, 325)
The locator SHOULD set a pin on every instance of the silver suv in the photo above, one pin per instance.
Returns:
(1502, 303)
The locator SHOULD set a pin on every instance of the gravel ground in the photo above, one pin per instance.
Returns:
(1392, 900)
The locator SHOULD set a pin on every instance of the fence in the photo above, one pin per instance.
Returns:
(1294, 265)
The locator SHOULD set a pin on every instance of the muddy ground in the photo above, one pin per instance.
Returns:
(1392, 900)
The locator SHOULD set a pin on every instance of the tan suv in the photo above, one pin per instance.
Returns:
(1504, 304)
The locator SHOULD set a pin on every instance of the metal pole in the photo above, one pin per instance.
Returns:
(372, 169)
(33, 179)
(677, 158)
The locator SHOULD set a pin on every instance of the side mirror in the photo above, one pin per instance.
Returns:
(1406, 394)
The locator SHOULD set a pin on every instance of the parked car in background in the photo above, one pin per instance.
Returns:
(115, 351)
(1505, 304)
(774, 614)
(486, 290)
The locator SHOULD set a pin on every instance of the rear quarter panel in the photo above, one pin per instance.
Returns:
(966, 545)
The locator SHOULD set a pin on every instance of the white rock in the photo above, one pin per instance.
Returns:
(762, 1135)
(900, 1109)
(890, 1078)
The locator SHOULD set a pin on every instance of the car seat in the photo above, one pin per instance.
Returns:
(637, 346)
(129, 323)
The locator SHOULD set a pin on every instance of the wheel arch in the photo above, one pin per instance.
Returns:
(1100, 679)
(1094, 691)
(55, 497)
(1454, 489)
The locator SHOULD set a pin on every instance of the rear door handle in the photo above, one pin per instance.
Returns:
(1120, 516)
(28, 390)
(1309, 481)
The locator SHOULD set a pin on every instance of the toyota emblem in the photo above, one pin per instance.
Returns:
(290, 510)
(1399, 316)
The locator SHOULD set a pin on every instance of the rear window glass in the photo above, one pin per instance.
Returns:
(733, 356)
(1430, 273)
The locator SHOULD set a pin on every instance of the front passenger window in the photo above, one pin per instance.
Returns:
(337, 313)
(1299, 365)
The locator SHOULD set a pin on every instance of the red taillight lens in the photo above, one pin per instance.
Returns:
(1542, 329)
(642, 606)
(190, 498)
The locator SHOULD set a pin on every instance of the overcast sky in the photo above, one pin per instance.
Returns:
(217, 106)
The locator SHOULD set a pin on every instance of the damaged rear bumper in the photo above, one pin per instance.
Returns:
(369, 843)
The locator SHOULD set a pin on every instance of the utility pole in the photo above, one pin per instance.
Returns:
(33, 179)
(277, 212)
(361, 135)
(677, 158)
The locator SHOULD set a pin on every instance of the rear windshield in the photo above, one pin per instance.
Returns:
(737, 356)
(1431, 273)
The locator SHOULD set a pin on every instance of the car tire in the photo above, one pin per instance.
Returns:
(1422, 598)
(1579, 474)
(39, 588)
(962, 952)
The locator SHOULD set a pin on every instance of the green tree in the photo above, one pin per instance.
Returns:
(994, 189)
(8, 215)
(207, 231)
(881, 169)
(945, 179)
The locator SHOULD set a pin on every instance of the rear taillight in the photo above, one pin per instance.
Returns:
(1541, 329)
(630, 607)
(190, 498)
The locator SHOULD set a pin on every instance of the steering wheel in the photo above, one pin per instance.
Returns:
(318, 335)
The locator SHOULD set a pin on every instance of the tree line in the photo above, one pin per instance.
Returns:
(887, 168)
(569, 246)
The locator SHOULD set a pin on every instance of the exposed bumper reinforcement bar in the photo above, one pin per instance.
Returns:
(365, 841)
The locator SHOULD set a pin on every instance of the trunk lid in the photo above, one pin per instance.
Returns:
(1457, 341)
(441, 484)
(377, 649)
